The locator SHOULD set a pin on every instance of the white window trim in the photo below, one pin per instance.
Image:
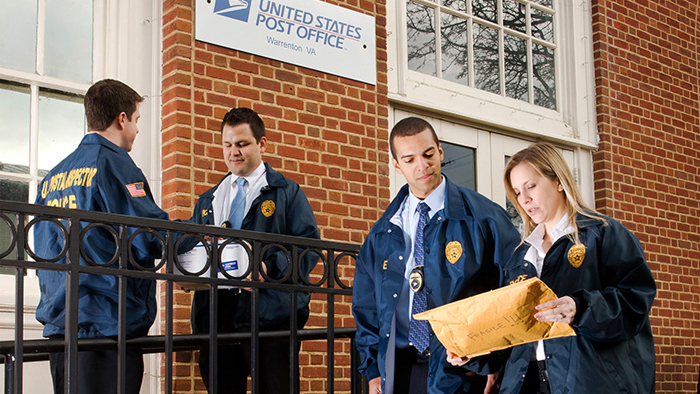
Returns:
(490, 152)
(127, 45)
(574, 124)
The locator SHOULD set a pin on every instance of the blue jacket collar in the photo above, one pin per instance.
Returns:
(583, 221)
(274, 179)
(96, 138)
(455, 206)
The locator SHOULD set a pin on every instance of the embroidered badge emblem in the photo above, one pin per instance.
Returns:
(205, 212)
(268, 208)
(453, 251)
(576, 255)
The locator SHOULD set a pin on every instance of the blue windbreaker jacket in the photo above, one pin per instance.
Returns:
(292, 215)
(97, 176)
(613, 350)
(487, 239)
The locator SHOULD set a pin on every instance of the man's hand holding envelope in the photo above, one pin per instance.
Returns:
(495, 320)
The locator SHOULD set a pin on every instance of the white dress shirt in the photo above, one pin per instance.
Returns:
(224, 194)
(535, 256)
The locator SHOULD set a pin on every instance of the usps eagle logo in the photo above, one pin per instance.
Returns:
(234, 9)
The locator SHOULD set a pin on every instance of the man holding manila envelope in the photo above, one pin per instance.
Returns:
(436, 243)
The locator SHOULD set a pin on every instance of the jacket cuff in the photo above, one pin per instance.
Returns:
(371, 372)
(581, 306)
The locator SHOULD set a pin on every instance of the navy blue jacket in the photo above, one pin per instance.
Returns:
(292, 215)
(97, 176)
(487, 238)
(613, 350)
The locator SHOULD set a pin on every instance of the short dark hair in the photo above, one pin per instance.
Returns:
(237, 116)
(407, 127)
(105, 100)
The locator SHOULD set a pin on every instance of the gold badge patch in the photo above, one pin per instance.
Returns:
(205, 212)
(268, 208)
(453, 251)
(576, 255)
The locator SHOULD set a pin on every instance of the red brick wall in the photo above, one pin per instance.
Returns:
(646, 169)
(327, 133)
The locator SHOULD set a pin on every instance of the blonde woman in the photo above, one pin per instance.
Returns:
(597, 268)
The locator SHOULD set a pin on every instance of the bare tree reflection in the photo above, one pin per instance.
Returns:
(486, 63)
(455, 53)
(514, 15)
(454, 62)
(485, 9)
(421, 38)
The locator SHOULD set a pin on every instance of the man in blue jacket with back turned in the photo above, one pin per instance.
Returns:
(99, 176)
(436, 243)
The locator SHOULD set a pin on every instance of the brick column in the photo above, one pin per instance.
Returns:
(325, 132)
(646, 168)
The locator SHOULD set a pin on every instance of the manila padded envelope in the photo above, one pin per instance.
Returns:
(494, 320)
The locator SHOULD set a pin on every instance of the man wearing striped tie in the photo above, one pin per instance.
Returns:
(253, 196)
(435, 243)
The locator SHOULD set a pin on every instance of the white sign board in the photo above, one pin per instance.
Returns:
(308, 33)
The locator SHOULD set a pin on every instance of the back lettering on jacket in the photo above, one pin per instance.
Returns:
(80, 177)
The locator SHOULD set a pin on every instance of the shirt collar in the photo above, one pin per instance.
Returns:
(536, 237)
(435, 200)
(253, 177)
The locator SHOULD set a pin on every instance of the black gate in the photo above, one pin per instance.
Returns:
(17, 252)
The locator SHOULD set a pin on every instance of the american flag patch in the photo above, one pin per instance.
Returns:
(136, 189)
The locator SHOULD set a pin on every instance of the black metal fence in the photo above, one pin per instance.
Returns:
(17, 253)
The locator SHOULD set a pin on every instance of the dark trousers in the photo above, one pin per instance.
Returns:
(234, 361)
(97, 371)
(410, 372)
(234, 365)
(536, 380)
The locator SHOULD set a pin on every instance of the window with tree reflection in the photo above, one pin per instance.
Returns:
(48, 55)
(506, 47)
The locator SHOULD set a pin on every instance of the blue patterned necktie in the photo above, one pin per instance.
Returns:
(238, 205)
(418, 330)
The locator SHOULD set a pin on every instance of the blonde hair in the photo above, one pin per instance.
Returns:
(549, 163)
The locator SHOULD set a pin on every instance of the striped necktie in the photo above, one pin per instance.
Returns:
(419, 330)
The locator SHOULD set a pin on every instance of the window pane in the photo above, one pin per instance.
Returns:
(459, 5)
(68, 51)
(14, 191)
(542, 25)
(454, 49)
(512, 211)
(485, 9)
(459, 165)
(543, 76)
(421, 38)
(486, 70)
(515, 52)
(514, 15)
(61, 127)
(10, 191)
(514, 216)
(18, 35)
(14, 128)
